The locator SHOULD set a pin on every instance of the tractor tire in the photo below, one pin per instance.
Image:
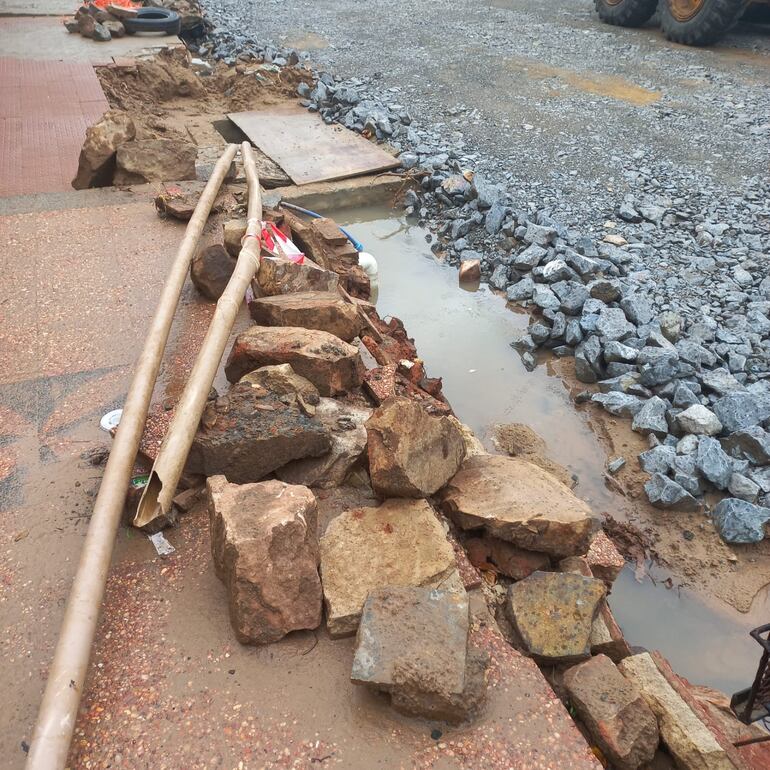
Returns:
(625, 13)
(699, 22)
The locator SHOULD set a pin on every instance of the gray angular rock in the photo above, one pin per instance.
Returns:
(582, 265)
(620, 404)
(637, 308)
(699, 420)
(719, 381)
(752, 443)
(662, 492)
(529, 258)
(542, 236)
(612, 324)
(694, 353)
(572, 295)
(651, 418)
(670, 325)
(521, 290)
(543, 297)
(739, 521)
(761, 477)
(617, 351)
(659, 372)
(684, 397)
(737, 410)
(743, 488)
(573, 334)
(712, 461)
(659, 459)
(557, 270)
(499, 278)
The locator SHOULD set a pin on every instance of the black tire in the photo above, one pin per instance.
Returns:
(702, 23)
(154, 20)
(625, 13)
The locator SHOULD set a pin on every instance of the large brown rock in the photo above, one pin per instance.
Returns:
(688, 740)
(281, 276)
(413, 643)
(411, 453)
(155, 160)
(521, 503)
(332, 365)
(400, 543)
(323, 310)
(211, 269)
(345, 423)
(614, 711)
(264, 541)
(97, 156)
(553, 612)
(245, 435)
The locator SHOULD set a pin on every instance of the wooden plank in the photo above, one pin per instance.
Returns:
(308, 149)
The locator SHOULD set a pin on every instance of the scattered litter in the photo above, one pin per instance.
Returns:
(616, 464)
(137, 482)
(162, 546)
(111, 420)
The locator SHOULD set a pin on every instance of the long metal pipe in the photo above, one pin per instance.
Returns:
(58, 710)
(155, 504)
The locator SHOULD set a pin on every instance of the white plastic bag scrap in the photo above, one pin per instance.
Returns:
(162, 546)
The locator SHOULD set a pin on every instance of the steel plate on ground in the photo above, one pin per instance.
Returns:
(308, 149)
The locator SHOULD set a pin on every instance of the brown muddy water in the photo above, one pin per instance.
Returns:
(464, 337)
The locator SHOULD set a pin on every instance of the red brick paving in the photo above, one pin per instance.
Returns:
(45, 108)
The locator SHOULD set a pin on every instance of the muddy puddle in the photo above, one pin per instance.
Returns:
(464, 336)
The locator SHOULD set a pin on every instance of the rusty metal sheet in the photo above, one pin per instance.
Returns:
(308, 149)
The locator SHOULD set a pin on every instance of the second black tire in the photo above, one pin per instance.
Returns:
(154, 20)
(625, 13)
(699, 22)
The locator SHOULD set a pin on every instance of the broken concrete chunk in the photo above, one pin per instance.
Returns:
(326, 311)
(553, 613)
(472, 445)
(400, 543)
(154, 160)
(245, 435)
(211, 269)
(614, 711)
(264, 541)
(517, 501)
(332, 365)
(411, 453)
(413, 643)
(345, 423)
(281, 276)
(686, 737)
(97, 156)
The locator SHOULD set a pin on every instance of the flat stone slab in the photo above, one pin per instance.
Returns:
(688, 740)
(331, 364)
(553, 613)
(399, 543)
(413, 643)
(614, 711)
(517, 501)
(264, 542)
(327, 311)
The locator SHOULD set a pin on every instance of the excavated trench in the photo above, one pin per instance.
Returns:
(463, 334)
